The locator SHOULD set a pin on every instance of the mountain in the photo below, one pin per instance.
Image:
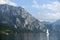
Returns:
(56, 25)
(48, 25)
(18, 24)
(15, 20)
(54, 29)
(19, 18)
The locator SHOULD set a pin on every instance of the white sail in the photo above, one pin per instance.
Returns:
(47, 34)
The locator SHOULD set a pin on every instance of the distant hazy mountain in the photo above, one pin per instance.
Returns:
(19, 18)
(54, 29)
(56, 25)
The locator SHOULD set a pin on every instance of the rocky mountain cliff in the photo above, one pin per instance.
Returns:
(19, 18)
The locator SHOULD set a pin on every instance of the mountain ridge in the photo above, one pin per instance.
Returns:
(19, 17)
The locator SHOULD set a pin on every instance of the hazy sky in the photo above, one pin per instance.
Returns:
(47, 10)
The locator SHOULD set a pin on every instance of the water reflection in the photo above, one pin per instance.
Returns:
(24, 36)
(29, 36)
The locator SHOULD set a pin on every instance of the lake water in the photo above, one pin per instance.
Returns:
(28, 36)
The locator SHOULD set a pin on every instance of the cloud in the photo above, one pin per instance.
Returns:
(35, 4)
(48, 16)
(8, 2)
(51, 6)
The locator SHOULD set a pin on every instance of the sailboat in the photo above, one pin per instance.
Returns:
(47, 34)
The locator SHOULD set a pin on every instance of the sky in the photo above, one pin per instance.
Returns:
(43, 10)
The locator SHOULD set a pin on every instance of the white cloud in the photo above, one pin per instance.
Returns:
(55, 6)
(8, 2)
(35, 4)
(48, 16)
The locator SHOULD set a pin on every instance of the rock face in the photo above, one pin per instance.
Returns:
(18, 17)
(24, 25)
